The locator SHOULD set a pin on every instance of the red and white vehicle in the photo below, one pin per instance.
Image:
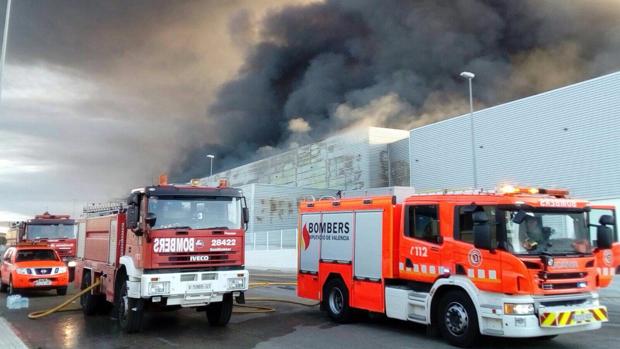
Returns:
(57, 231)
(171, 246)
(514, 263)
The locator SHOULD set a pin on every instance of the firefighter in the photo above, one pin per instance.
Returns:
(535, 234)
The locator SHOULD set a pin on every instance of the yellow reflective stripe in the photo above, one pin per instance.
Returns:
(600, 314)
(549, 320)
(564, 318)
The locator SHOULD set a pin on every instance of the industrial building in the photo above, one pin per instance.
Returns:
(567, 137)
(355, 159)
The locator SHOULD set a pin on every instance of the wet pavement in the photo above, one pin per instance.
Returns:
(291, 326)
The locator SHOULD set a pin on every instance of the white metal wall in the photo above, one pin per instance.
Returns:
(562, 138)
(274, 207)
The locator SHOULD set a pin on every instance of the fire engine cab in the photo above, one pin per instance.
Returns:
(170, 246)
(516, 262)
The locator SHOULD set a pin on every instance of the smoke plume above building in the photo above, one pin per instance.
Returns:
(314, 69)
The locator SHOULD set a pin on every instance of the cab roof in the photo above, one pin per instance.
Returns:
(189, 190)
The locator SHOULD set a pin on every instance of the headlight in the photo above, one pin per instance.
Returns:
(61, 270)
(72, 264)
(518, 309)
(236, 283)
(23, 271)
(159, 287)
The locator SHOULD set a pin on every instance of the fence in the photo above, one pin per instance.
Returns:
(284, 239)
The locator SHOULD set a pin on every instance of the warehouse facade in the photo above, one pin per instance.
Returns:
(355, 159)
(568, 137)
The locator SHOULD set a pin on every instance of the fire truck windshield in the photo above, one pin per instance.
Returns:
(546, 232)
(51, 231)
(218, 212)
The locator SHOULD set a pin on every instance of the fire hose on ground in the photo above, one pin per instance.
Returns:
(250, 309)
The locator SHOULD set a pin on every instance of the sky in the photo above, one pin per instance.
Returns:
(100, 97)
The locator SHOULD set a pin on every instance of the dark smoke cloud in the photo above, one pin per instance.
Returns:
(395, 63)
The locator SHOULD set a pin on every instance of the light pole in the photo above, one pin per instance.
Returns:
(211, 157)
(5, 36)
(470, 76)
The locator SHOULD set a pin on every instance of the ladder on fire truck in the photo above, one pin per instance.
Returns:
(103, 209)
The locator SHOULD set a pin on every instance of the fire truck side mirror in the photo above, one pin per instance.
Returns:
(246, 215)
(604, 234)
(482, 231)
(607, 219)
(133, 216)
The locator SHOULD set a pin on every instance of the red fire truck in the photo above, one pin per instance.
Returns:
(512, 263)
(170, 246)
(57, 231)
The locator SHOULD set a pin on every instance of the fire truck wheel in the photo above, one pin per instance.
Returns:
(219, 313)
(62, 291)
(130, 310)
(88, 301)
(336, 301)
(457, 319)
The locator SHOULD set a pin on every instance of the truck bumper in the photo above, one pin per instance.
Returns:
(191, 289)
(546, 320)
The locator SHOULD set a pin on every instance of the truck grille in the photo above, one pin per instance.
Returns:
(217, 258)
(43, 271)
(561, 276)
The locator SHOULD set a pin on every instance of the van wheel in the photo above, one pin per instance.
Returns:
(457, 319)
(336, 301)
(3, 286)
(12, 290)
(88, 300)
(61, 291)
(130, 310)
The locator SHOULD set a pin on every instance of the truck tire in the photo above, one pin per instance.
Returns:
(61, 291)
(457, 319)
(336, 301)
(130, 310)
(219, 313)
(88, 301)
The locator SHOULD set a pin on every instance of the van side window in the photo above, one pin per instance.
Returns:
(464, 231)
(423, 223)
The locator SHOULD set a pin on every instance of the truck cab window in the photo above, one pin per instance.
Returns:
(464, 230)
(423, 223)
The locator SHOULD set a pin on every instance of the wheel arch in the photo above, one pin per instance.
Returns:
(452, 284)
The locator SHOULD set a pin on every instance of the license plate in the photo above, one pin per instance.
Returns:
(573, 317)
(198, 287)
(43, 282)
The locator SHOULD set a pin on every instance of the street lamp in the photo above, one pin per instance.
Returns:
(5, 37)
(470, 76)
(211, 157)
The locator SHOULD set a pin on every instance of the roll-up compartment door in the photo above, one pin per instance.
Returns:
(368, 244)
(81, 240)
(113, 237)
(309, 242)
(337, 236)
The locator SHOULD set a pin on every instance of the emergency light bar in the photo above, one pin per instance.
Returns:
(510, 190)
